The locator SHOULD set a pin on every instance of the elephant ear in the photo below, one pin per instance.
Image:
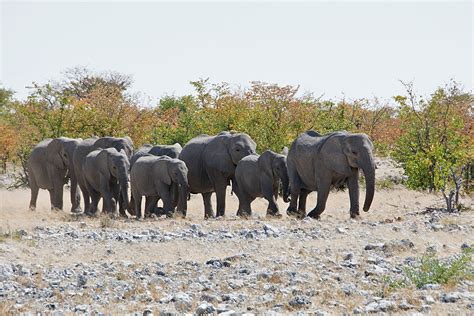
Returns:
(162, 171)
(268, 179)
(217, 154)
(103, 163)
(265, 162)
(54, 152)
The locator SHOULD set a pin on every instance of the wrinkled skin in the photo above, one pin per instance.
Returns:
(87, 146)
(260, 176)
(211, 162)
(318, 162)
(171, 151)
(154, 177)
(48, 165)
(106, 175)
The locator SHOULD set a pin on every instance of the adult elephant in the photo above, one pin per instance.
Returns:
(260, 176)
(318, 162)
(171, 151)
(106, 174)
(48, 165)
(155, 177)
(211, 162)
(124, 144)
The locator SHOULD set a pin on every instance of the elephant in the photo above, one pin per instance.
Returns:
(154, 177)
(106, 175)
(260, 176)
(171, 151)
(318, 162)
(48, 165)
(211, 162)
(87, 146)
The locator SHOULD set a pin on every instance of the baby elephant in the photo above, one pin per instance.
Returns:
(106, 175)
(157, 177)
(259, 176)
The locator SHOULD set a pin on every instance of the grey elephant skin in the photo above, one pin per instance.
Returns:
(48, 165)
(106, 174)
(211, 162)
(319, 162)
(260, 176)
(155, 178)
(171, 151)
(88, 145)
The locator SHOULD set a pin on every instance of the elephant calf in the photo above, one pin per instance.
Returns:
(259, 176)
(156, 177)
(106, 173)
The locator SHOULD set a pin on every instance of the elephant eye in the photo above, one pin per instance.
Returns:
(354, 152)
(237, 149)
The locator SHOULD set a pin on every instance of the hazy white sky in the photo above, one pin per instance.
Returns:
(357, 48)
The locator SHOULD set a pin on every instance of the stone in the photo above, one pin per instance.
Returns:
(299, 301)
(205, 308)
(428, 299)
(271, 231)
(182, 302)
(452, 297)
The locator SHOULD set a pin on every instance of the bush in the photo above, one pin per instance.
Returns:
(433, 139)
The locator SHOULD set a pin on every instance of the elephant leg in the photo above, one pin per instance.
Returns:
(150, 205)
(167, 199)
(93, 209)
(75, 197)
(208, 211)
(323, 193)
(34, 192)
(52, 199)
(220, 188)
(245, 208)
(272, 209)
(86, 196)
(302, 201)
(175, 195)
(353, 184)
(57, 201)
(132, 209)
(138, 205)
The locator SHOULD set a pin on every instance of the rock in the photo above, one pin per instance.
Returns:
(299, 301)
(147, 312)
(375, 270)
(377, 246)
(81, 280)
(341, 230)
(235, 284)
(182, 302)
(404, 305)
(465, 246)
(84, 308)
(218, 263)
(437, 227)
(380, 306)
(271, 231)
(320, 312)
(205, 308)
(428, 299)
(452, 297)
(6, 272)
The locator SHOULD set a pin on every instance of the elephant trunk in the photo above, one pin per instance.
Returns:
(123, 182)
(286, 188)
(183, 189)
(369, 174)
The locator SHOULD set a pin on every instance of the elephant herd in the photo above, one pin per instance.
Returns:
(103, 168)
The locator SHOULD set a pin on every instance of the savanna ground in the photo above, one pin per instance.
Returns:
(55, 261)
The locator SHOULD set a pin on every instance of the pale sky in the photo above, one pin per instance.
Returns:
(359, 49)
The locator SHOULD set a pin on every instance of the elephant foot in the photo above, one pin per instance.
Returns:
(32, 207)
(92, 214)
(55, 209)
(355, 215)
(314, 214)
(272, 214)
(76, 210)
(295, 213)
(244, 215)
